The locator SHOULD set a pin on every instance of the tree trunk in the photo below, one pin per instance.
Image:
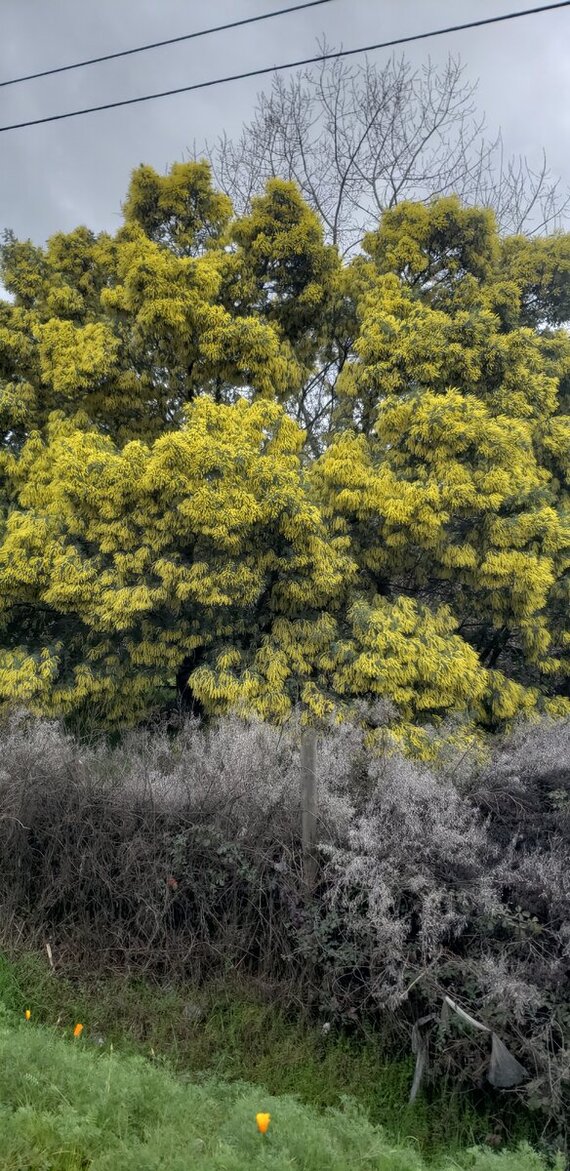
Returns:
(186, 699)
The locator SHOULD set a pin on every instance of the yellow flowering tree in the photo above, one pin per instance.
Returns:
(450, 462)
(128, 572)
(129, 329)
(167, 528)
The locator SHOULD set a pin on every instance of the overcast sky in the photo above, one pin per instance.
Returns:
(56, 176)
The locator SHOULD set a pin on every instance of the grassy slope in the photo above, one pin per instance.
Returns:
(64, 1106)
(215, 1038)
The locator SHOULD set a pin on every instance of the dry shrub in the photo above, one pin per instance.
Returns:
(158, 854)
(460, 884)
(181, 856)
(416, 869)
(526, 788)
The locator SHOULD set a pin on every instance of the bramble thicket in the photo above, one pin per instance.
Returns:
(240, 470)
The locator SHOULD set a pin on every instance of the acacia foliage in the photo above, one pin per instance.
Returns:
(167, 527)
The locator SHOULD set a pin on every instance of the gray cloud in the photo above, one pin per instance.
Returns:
(56, 176)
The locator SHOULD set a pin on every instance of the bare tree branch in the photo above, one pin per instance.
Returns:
(357, 139)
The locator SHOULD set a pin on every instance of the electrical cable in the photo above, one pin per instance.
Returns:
(288, 65)
(205, 32)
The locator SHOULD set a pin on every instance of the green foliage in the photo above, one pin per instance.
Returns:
(284, 267)
(165, 528)
(539, 268)
(138, 556)
(230, 1031)
(67, 1105)
(435, 244)
(441, 470)
(129, 330)
(180, 210)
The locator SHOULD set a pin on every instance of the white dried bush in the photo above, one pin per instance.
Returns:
(416, 869)
(526, 786)
(456, 881)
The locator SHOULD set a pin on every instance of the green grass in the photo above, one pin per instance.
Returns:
(240, 1038)
(64, 1106)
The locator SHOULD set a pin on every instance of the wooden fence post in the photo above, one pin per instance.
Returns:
(309, 803)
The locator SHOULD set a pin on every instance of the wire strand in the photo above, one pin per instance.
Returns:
(205, 32)
(167, 93)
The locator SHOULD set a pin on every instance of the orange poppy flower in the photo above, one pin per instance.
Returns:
(263, 1121)
(28, 1014)
(78, 1030)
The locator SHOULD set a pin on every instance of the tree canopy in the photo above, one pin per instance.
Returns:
(239, 468)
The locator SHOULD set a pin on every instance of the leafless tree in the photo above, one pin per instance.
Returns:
(358, 139)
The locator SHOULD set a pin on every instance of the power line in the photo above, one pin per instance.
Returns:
(184, 89)
(205, 32)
